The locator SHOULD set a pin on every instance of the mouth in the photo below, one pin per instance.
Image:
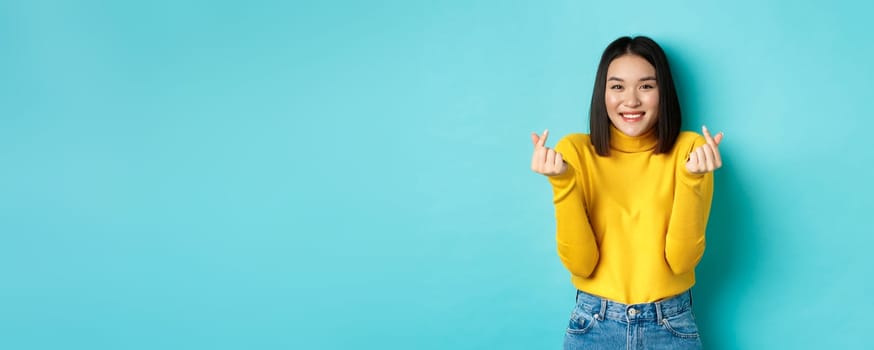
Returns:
(632, 117)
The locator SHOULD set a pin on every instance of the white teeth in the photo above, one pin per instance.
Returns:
(632, 116)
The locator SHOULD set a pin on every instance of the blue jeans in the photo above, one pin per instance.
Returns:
(598, 323)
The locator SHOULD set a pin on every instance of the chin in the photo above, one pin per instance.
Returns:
(633, 133)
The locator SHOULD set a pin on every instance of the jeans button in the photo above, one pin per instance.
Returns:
(632, 312)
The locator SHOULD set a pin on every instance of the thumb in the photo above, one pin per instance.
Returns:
(542, 142)
(534, 138)
(718, 138)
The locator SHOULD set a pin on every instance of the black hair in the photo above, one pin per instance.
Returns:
(669, 118)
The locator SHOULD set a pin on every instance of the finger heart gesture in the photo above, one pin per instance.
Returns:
(545, 160)
(705, 158)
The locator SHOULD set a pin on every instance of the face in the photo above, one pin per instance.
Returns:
(632, 95)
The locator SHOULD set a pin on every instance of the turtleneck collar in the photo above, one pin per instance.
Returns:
(632, 144)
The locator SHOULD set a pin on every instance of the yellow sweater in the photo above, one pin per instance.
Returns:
(630, 226)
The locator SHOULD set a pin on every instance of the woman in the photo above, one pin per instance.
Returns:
(632, 200)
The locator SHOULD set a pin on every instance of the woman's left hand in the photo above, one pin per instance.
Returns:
(705, 158)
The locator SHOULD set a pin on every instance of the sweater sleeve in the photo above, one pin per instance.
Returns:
(577, 247)
(684, 244)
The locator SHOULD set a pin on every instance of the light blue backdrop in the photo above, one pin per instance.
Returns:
(335, 175)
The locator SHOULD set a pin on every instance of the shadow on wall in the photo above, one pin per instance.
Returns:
(721, 273)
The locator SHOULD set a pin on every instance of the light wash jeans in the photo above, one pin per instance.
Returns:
(598, 323)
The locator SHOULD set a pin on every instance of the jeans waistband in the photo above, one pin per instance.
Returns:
(656, 311)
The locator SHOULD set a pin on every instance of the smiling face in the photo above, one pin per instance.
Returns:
(632, 95)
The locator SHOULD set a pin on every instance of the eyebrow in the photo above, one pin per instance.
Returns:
(641, 79)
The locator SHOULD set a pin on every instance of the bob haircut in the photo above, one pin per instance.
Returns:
(669, 119)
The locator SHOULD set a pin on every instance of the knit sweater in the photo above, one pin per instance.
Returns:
(630, 226)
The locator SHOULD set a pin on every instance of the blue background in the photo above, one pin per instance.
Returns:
(341, 174)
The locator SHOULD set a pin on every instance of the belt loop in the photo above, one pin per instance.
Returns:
(690, 297)
(603, 311)
(659, 315)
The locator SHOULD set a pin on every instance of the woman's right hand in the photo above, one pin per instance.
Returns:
(545, 160)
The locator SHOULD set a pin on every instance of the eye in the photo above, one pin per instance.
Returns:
(616, 87)
(647, 86)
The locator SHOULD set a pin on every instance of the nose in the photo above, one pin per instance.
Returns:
(632, 101)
